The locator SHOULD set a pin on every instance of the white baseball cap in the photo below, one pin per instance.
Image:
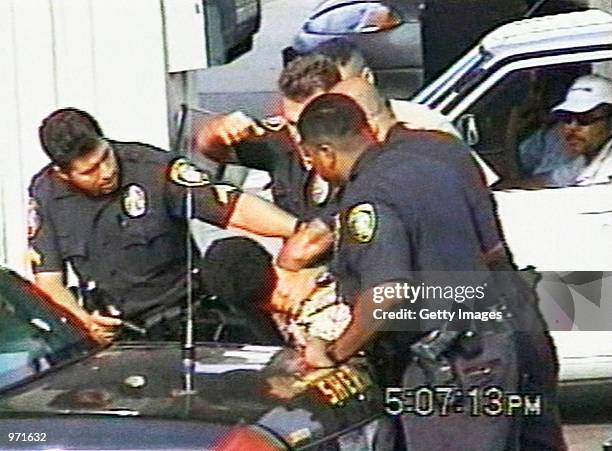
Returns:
(586, 93)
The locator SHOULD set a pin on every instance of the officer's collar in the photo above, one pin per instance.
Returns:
(395, 134)
(62, 188)
(370, 154)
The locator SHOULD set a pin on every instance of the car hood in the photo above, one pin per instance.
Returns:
(146, 381)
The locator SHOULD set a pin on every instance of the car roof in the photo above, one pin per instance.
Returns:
(560, 31)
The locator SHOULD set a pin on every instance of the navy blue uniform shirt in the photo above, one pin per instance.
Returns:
(417, 203)
(295, 189)
(131, 243)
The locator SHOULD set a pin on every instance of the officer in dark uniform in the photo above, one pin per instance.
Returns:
(271, 145)
(118, 213)
(442, 221)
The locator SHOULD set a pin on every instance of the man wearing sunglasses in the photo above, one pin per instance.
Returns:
(585, 118)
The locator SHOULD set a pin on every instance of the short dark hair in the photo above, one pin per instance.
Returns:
(306, 75)
(341, 51)
(67, 134)
(332, 117)
(238, 270)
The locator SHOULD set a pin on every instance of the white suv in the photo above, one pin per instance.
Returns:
(564, 233)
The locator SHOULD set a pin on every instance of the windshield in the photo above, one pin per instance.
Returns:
(33, 336)
(466, 68)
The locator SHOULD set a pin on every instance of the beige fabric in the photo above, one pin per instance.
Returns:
(420, 117)
(600, 169)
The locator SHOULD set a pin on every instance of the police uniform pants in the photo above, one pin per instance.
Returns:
(495, 366)
(538, 365)
(539, 374)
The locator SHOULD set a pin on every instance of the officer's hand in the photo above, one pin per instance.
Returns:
(293, 287)
(234, 127)
(315, 355)
(305, 246)
(103, 328)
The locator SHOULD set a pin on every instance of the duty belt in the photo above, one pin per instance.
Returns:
(436, 343)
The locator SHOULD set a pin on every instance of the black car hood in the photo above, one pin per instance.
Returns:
(147, 381)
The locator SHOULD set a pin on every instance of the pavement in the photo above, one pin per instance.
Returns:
(587, 437)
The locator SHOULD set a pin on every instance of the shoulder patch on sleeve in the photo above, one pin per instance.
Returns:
(33, 219)
(185, 173)
(362, 222)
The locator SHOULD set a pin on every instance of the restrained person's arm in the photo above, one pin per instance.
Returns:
(363, 328)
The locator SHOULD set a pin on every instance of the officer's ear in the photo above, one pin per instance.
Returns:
(368, 75)
(327, 153)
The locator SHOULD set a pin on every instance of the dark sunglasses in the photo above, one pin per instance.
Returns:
(580, 118)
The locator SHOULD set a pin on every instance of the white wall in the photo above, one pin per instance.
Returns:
(8, 120)
(130, 72)
(28, 93)
(105, 56)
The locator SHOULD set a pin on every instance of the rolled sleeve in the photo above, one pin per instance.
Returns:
(261, 153)
(215, 203)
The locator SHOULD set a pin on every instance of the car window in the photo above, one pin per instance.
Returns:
(512, 128)
(33, 336)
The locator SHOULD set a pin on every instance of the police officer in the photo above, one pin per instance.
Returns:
(442, 221)
(237, 138)
(271, 145)
(118, 213)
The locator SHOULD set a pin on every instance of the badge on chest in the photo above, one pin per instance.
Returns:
(134, 201)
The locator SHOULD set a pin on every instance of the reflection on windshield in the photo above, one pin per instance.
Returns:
(466, 68)
(33, 336)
